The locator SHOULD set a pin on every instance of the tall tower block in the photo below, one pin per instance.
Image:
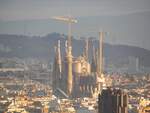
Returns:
(101, 34)
(57, 67)
(68, 60)
(93, 64)
(69, 78)
(113, 101)
(86, 51)
(100, 76)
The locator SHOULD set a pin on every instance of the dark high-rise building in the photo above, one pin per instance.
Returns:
(112, 101)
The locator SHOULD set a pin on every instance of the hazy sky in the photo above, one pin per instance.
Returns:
(127, 20)
(43, 9)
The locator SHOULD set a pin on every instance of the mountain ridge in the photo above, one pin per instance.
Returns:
(43, 47)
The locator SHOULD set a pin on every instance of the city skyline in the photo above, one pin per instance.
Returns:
(74, 56)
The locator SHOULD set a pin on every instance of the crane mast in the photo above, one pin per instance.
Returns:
(68, 58)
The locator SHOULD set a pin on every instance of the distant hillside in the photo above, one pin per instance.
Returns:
(43, 47)
(132, 29)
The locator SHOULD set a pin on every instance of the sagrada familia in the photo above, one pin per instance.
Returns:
(76, 77)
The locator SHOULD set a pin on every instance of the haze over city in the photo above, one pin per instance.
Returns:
(74, 56)
(127, 22)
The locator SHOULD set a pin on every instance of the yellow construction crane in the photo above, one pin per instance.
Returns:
(69, 20)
